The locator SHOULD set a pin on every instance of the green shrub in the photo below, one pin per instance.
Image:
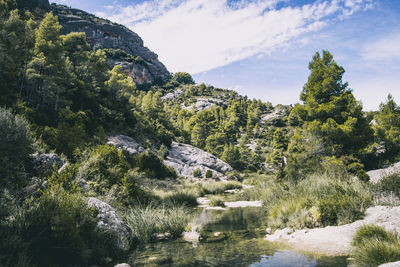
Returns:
(389, 184)
(182, 197)
(217, 202)
(15, 147)
(375, 246)
(58, 229)
(145, 221)
(154, 167)
(325, 199)
(197, 173)
(209, 174)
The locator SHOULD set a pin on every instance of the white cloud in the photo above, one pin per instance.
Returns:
(386, 49)
(200, 35)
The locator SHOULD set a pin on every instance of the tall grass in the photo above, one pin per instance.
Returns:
(318, 200)
(145, 221)
(387, 190)
(220, 187)
(375, 246)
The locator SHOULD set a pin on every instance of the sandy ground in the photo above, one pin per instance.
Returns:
(336, 240)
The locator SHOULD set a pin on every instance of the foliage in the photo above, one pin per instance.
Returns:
(389, 184)
(16, 145)
(197, 173)
(219, 187)
(56, 229)
(217, 202)
(151, 219)
(181, 197)
(375, 246)
(154, 167)
(209, 174)
(182, 78)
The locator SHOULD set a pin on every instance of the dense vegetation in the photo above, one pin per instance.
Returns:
(60, 95)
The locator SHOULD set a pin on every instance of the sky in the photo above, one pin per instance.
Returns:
(261, 48)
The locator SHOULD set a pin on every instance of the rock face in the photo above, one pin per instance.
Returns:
(43, 163)
(126, 143)
(336, 240)
(391, 264)
(102, 33)
(205, 103)
(275, 117)
(376, 175)
(185, 159)
(110, 221)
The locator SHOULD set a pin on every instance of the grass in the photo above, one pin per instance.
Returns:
(375, 246)
(220, 187)
(182, 197)
(387, 190)
(318, 200)
(217, 202)
(146, 221)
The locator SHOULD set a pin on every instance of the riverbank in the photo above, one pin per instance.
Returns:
(336, 240)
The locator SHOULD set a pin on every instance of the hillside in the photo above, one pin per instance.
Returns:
(103, 151)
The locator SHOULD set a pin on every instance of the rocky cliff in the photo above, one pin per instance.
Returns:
(125, 47)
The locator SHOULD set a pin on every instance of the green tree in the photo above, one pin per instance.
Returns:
(182, 78)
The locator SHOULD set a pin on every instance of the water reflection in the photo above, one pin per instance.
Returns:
(231, 238)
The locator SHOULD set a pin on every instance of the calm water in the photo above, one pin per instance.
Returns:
(232, 238)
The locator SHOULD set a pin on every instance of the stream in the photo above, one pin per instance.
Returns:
(231, 237)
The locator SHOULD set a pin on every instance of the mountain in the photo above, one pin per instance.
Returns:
(126, 48)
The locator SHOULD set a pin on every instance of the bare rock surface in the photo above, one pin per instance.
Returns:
(376, 175)
(185, 159)
(336, 240)
(173, 95)
(391, 264)
(144, 66)
(126, 143)
(110, 221)
(203, 103)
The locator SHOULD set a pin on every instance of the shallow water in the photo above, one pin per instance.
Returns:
(231, 238)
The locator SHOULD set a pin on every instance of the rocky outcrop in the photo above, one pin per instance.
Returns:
(205, 103)
(43, 163)
(376, 175)
(102, 33)
(111, 222)
(276, 117)
(172, 95)
(185, 159)
(336, 240)
(126, 143)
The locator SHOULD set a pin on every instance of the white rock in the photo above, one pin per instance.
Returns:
(110, 221)
(391, 264)
(185, 159)
(126, 143)
(376, 175)
(122, 265)
(243, 204)
(192, 237)
(336, 240)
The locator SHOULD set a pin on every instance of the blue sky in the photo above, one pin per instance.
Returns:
(261, 48)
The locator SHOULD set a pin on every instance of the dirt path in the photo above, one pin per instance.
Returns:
(336, 240)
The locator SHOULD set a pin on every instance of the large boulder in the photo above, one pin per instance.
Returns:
(43, 163)
(185, 159)
(140, 63)
(111, 222)
(126, 143)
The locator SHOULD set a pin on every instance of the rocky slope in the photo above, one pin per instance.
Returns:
(126, 47)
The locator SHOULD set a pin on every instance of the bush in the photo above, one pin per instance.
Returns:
(389, 184)
(154, 167)
(58, 229)
(217, 202)
(182, 197)
(151, 219)
(209, 174)
(375, 246)
(325, 199)
(15, 147)
(197, 173)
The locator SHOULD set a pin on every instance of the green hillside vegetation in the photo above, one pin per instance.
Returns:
(59, 95)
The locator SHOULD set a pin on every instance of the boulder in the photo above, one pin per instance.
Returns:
(391, 264)
(122, 265)
(111, 222)
(43, 163)
(185, 159)
(126, 143)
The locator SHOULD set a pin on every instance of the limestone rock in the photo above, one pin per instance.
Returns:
(391, 264)
(101, 33)
(376, 175)
(275, 117)
(126, 143)
(203, 103)
(122, 265)
(185, 159)
(43, 163)
(110, 221)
